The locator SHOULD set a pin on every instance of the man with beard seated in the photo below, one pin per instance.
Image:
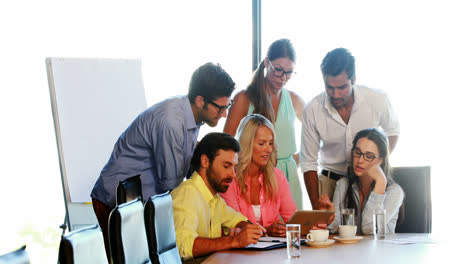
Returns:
(199, 211)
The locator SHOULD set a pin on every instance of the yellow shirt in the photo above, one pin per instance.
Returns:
(197, 213)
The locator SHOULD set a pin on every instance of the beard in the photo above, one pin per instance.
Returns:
(215, 182)
(207, 119)
(211, 123)
(337, 103)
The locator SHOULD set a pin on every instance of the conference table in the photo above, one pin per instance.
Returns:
(396, 248)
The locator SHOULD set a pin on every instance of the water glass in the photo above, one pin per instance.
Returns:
(293, 240)
(347, 216)
(380, 223)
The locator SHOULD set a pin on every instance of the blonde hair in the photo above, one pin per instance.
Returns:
(246, 135)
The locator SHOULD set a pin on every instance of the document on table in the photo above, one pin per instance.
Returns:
(267, 242)
(272, 239)
(266, 245)
(270, 243)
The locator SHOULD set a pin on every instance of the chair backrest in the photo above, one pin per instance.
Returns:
(81, 246)
(127, 237)
(19, 256)
(160, 230)
(129, 190)
(417, 206)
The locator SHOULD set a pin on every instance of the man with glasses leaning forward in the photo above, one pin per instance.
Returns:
(159, 143)
(333, 118)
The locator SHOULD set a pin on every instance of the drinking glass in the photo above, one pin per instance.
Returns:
(380, 223)
(347, 216)
(293, 240)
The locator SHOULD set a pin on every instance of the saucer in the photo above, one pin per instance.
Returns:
(322, 244)
(348, 240)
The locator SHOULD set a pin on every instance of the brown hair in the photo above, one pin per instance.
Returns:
(256, 90)
(381, 140)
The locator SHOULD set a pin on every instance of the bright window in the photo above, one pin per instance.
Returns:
(415, 51)
(172, 38)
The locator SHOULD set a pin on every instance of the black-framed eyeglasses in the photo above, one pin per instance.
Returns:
(221, 108)
(368, 156)
(280, 72)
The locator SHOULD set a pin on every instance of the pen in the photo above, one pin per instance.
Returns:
(263, 229)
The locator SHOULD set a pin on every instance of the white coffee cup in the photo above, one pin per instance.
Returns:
(347, 231)
(318, 235)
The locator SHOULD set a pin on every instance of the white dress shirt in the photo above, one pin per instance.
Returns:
(326, 140)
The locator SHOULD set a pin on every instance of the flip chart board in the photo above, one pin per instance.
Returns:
(93, 102)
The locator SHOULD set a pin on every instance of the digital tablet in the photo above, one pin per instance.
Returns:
(309, 218)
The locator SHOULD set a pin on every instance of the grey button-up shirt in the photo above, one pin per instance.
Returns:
(391, 201)
(159, 145)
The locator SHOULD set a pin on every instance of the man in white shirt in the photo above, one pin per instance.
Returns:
(334, 117)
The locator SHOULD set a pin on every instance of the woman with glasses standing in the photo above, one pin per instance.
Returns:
(369, 185)
(267, 96)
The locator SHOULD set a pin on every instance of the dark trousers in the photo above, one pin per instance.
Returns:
(102, 212)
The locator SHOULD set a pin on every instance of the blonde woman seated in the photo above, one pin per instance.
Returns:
(369, 185)
(260, 191)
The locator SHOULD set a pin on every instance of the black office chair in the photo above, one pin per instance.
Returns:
(416, 211)
(127, 236)
(129, 190)
(19, 256)
(160, 230)
(83, 246)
